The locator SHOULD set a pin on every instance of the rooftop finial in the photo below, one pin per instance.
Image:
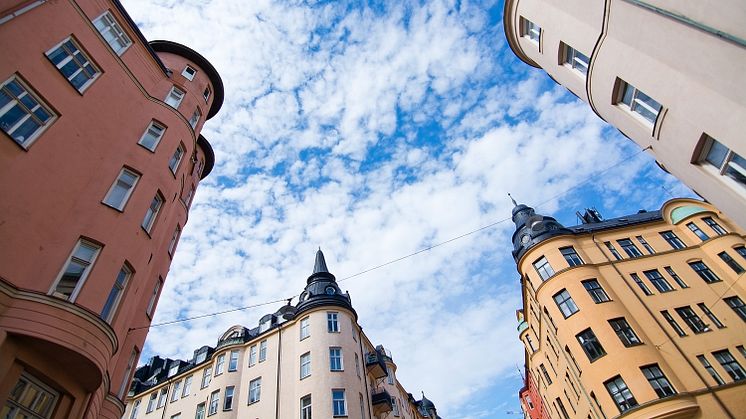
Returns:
(320, 264)
(515, 204)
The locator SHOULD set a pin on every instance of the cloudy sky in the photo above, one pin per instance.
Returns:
(375, 130)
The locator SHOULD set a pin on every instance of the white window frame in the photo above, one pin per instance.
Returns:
(255, 390)
(187, 386)
(151, 214)
(305, 407)
(305, 365)
(332, 321)
(636, 102)
(176, 158)
(530, 30)
(334, 357)
(214, 403)
(207, 93)
(105, 24)
(194, 120)
(206, 377)
(26, 94)
(343, 400)
(81, 59)
(174, 97)
(42, 397)
(174, 240)
(228, 398)
(252, 355)
(187, 74)
(151, 402)
(162, 397)
(116, 293)
(263, 350)
(219, 364)
(128, 371)
(305, 328)
(152, 132)
(727, 163)
(233, 360)
(154, 298)
(176, 391)
(86, 270)
(116, 186)
(575, 60)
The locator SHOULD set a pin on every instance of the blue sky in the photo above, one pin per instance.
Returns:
(374, 130)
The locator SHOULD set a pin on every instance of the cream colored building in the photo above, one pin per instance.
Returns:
(641, 316)
(668, 74)
(311, 358)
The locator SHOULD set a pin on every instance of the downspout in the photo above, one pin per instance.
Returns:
(664, 329)
(365, 371)
(279, 369)
(594, 54)
(168, 396)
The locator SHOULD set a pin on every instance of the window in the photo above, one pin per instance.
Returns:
(658, 281)
(742, 350)
(561, 408)
(666, 315)
(175, 393)
(598, 295)
(530, 343)
(187, 386)
(305, 365)
(214, 403)
(206, 93)
(717, 228)
(737, 305)
(710, 369)
(305, 407)
(730, 365)
(737, 268)
(174, 98)
(152, 212)
(73, 64)
(590, 344)
(362, 406)
(151, 402)
(629, 248)
(219, 364)
(620, 393)
(189, 73)
(174, 240)
(357, 365)
(332, 322)
(546, 375)
(188, 198)
(565, 303)
(673, 240)
(233, 361)
(22, 116)
(675, 277)
(575, 59)
(741, 250)
(571, 256)
(543, 268)
(645, 244)
(152, 136)
(154, 297)
(31, 399)
(162, 397)
(574, 362)
(704, 272)
(699, 233)
(135, 408)
(255, 390)
(530, 30)
(339, 405)
(173, 370)
(335, 359)
(639, 103)
(127, 377)
(120, 191)
(625, 332)
(263, 351)
(176, 416)
(252, 355)
(112, 32)
(115, 295)
(724, 160)
(305, 328)
(613, 251)
(711, 315)
(692, 320)
(228, 402)
(200, 413)
(76, 270)
(396, 406)
(194, 120)
(658, 380)
(206, 377)
(173, 163)
(643, 287)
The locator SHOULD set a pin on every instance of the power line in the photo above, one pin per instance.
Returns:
(399, 259)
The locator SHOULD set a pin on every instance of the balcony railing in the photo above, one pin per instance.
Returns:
(522, 326)
(381, 401)
(376, 365)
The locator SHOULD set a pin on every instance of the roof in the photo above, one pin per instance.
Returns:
(624, 221)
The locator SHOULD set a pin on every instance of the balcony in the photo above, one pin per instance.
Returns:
(381, 401)
(522, 326)
(375, 364)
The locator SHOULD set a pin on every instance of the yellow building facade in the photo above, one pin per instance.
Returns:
(640, 316)
(307, 360)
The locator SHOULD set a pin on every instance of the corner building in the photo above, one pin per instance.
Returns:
(303, 361)
(100, 156)
(667, 74)
(641, 316)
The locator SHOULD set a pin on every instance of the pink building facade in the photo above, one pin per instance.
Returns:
(100, 156)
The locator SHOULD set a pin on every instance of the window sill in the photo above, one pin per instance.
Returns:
(152, 151)
(119, 210)
(254, 402)
(303, 378)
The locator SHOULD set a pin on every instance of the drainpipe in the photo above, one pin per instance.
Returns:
(664, 329)
(279, 369)
(365, 370)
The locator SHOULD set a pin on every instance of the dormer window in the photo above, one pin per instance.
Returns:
(189, 73)
(330, 291)
(264, 325)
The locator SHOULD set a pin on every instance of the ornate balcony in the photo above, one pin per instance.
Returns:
(381, 401)
(375, 364)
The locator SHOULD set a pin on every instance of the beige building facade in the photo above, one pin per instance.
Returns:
(307, 360)
(641, 316)
(667, 74)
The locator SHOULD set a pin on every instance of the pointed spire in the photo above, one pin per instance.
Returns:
(515, 204)
(320, 264)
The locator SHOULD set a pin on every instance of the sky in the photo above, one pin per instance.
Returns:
(374, 130)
